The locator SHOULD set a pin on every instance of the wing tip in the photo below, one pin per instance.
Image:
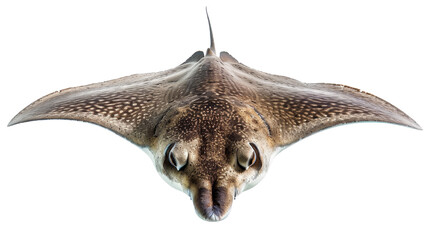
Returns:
(11, 123)
(401, 118)
(413, 124)
(403, 121)
(15, 120)
(20, 118)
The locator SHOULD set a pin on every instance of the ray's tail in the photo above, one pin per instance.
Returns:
(212, 50)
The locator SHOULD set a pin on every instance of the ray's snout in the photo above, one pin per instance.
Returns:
(213, 204)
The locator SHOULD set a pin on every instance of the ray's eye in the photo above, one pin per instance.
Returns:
(177, 156)
(172, 160)
(247, 157)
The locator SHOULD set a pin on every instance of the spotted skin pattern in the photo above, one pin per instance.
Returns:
(212, 125)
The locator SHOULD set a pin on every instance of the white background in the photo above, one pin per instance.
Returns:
(72, 180)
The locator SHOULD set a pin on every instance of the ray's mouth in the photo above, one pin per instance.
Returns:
(212, 204)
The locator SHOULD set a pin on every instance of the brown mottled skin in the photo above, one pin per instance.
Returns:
(212, 124)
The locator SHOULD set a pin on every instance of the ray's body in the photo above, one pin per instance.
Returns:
(212, 124)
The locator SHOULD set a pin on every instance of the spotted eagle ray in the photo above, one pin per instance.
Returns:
(212, 125)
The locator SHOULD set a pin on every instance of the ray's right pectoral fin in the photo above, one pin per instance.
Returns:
(329, 105)
(126, 106)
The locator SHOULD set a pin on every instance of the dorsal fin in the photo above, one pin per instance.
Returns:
(212, 50)
(195, 57)
(226, 57)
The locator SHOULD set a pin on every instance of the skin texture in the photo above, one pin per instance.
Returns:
(212, 124)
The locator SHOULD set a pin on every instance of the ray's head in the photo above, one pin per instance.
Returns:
(212, 149)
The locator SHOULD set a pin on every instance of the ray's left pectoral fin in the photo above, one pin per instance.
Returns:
(126, 106)
(302, 112)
